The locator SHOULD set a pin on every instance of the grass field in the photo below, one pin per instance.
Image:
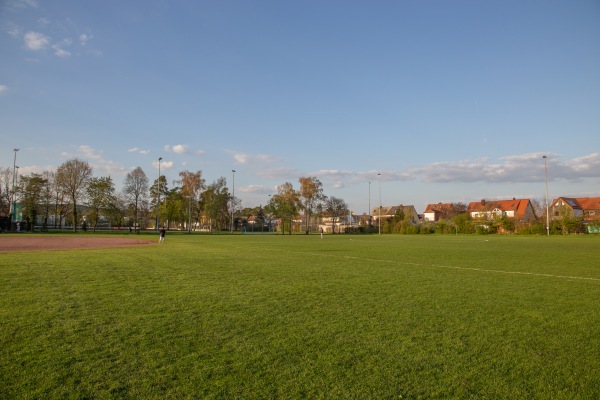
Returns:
(252, 316)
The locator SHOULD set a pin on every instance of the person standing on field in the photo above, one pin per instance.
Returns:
(162, 235)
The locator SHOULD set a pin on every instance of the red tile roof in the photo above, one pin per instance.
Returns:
(518, 206)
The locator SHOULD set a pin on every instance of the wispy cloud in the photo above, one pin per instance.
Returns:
(138, 150)
(279, 173)
(60, 52)
(19, 4)
(36, 41)
(96, 159)
(3, 89)
(84, 38)
(253, 159)
(511, 169)
(255, 189)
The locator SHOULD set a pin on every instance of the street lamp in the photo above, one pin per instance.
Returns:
(379, 219)
(158, 197)
(232, 197)
(547, 210)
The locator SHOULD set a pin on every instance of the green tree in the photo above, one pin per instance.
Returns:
(311, 195)
(214, 202)
(158, 209)
(100, 195)
(191, 185)
(32, 189)
(285, 204)
(72, 178)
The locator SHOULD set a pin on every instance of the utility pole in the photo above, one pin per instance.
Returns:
(12, 194)
(547, 210)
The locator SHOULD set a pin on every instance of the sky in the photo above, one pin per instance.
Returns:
(398, 102)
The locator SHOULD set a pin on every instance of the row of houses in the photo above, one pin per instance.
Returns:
(521, 210)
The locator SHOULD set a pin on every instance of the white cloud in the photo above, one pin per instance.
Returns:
(163, 164)
(36, 41)
(177, 149)
(3, 88)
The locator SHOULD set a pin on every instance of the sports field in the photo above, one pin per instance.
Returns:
(264, 316)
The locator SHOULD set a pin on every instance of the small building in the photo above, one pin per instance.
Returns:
(520, 210)
(391, 211)
(585, 208)
(435, 212)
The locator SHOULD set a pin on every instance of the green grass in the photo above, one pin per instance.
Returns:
(253, 316)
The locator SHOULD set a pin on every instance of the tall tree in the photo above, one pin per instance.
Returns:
(72, 178)
(101, 195)
(311, 195)
(136, 190)
(32, 190)
(191, 185)
(335, 208)
(214, 202)
(285, 204)
(155, 196)
(5, 182)
(47, 196)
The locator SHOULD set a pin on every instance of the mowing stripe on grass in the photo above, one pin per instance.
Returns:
(581, 278)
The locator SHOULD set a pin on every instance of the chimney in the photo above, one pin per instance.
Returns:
(483, 202)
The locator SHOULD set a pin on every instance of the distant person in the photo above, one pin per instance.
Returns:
(321, 233)
(162, 235)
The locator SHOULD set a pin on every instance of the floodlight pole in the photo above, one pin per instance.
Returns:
(379, 219)
(158, 197)
(232, 197)
(547, 209)
(12, 194)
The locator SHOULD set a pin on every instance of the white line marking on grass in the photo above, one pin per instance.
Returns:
(581, 278)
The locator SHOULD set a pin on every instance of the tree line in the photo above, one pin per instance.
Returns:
(71, 196)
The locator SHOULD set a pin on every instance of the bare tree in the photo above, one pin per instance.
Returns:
(336, 208)
(72, 178)
(136, 190)
(5, 181)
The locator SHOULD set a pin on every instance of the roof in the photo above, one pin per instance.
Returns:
(589, 203)
(442, 208)
(581, 203)
(518, 206)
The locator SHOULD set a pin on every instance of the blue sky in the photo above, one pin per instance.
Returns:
(447, 100)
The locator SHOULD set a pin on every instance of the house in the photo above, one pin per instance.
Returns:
(519, 209)
(435, 212)
(390, 212)
(586, 208)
